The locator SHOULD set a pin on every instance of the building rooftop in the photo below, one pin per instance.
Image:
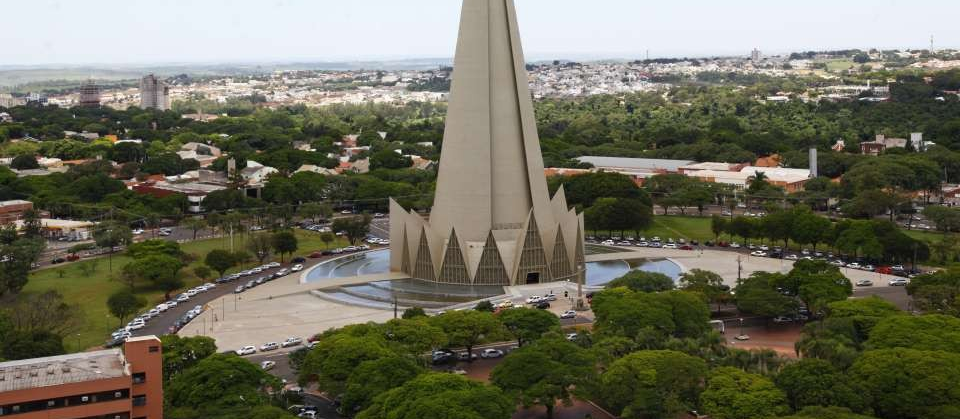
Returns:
(63, 369)
(15, 202)
(635, 164)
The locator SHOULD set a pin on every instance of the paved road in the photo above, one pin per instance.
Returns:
(161, 324)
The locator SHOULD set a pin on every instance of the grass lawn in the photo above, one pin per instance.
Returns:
(924, 236)
(89, 286)
(675, 226)
(840, 65)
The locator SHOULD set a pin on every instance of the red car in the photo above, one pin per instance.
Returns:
(73, 257)
(686, 247)
(316, 255)
(886, 270)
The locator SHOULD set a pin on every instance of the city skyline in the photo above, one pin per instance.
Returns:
(294, 30)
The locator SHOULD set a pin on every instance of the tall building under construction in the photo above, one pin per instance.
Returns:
(90, 94)
(154, 93)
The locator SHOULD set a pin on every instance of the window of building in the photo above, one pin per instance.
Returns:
(139, 378)
(140, 400)
(153, 349)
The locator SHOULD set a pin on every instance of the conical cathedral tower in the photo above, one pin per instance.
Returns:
(492, 203)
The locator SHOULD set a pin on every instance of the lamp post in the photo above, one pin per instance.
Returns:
(741, 326)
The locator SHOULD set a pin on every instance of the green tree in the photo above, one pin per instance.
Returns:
(925, 382)
(195, 225)
(328, 238)
(332, 361)
(261, 246)
(163, 271)
(707, 283)
(527, 324)
(389, 159)
(25, 162)
(285, 242)
(436, 395)
(183, 353)
(110, 236)
(203, 272)
(734, 394)
(124, 303)
(220, 261)
(758, 295)
(643, 281)
(315, 211)
(815, 382)
(413, 312)
(355, 228)
(652, 384)
(932, 332)
(373, 378)
(832, 412)
(466, 328)
(486, 306)
(544, 373)
(219, 384)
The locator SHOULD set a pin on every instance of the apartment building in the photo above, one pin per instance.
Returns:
(110, 384)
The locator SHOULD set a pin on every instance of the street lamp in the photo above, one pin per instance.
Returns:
(741, 326)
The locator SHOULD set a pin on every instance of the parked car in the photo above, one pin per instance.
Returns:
(463, 356)
(898, 282)
(543, 305)
(296, 268)
(247, 350)
(782, 319)
(491, 353)
(569, 314)
(270, 346)
(291, 342)
(864, 283)
(267, 365)
(572, 336)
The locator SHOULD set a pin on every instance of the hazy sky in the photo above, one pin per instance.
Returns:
(211, 31)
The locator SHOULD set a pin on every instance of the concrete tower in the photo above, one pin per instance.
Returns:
(493, 222)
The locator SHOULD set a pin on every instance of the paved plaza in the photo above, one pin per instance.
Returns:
(286, 307)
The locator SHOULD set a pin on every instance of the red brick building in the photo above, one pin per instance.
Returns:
(110, 384)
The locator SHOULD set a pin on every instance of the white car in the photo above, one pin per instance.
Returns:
(758, 253)
(267, 365)
(296, 268)
(491, 353)
(791, 257)
(535, 299)
(135, 326)
(898, 282)
(854, 265)
(270, 346)
(569, 314)
(670, 246)
(137, 232)
(183, 298)
(572, 336)
(247, 350)
(291, 342)
(864, 283)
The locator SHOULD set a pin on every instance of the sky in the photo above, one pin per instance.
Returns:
(38, 32)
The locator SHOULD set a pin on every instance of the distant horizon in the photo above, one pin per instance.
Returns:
(530, 58)
(51, 33)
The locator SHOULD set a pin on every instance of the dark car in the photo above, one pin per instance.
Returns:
(543, 305)
(298, 259)
(57, 261)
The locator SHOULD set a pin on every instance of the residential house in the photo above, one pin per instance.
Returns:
(256, 173)
(316, 169)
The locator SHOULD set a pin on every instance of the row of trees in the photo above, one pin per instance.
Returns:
(877, 240)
